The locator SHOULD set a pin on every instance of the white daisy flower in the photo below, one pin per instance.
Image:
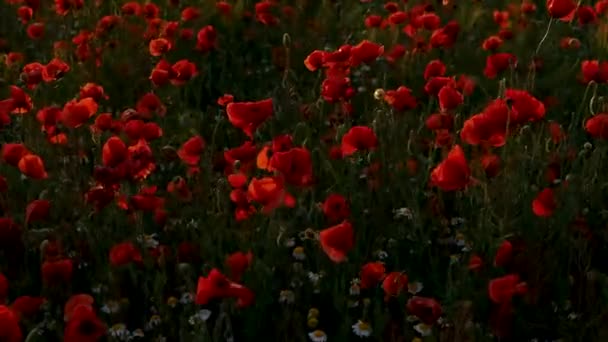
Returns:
(186, 298)
(362, 329)
(317, 336)
(137, 333)
(456, 221)
(353, 303)
(414, 287)
(298, 253)
(199, 317)
(150, 241)
(290, 242)
(119, 331)
(403, 213)
(287, 297)
(382, 255)
(153, 322)
(423, 329)
(315, 278)
(111, 307)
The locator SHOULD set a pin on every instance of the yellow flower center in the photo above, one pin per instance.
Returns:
(318, 333)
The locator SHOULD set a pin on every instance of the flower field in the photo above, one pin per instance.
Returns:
(303, 170)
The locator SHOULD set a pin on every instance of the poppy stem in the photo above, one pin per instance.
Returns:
(544, 37)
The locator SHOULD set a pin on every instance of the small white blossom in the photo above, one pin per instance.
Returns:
(120, 332)
(382, 255)
(362, 329)
(423, 329)
(414, 287)
(457, 221)
(403, 213)
(199, 317)
(317, 336)
(287, 297)
(153, 322)
(150, 241)
(186, 298)
(111, 307)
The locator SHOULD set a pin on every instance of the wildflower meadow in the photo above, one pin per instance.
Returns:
(303, 170)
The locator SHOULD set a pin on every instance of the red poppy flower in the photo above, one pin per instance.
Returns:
(489, 127)
(314, 61)
(544, 204)
(394, 284)
(400, 99)
(27, 306)
(501, 290)
(114, 152)
(440, 121)
(435, 84)
(21, 102)
(217, 286)
(182, 72)
(248, 116)
(179, 187)
(84, 326)
(159, 46)
(490, 164)
(12, 153)
(3, 288)
(225, 99)
(452, 173)
(373, 21)
(57, 272)
(561, 9)
(449, 98)
(140, 161)
(371, 274)
(32, 166)
(148, 105)
(146, 200)
(32, 74)
(492, 43)
(365, 52)
(336, 208)
(35, 31)
(37, 210)
(498, 63)
(358, 138)
(475, 263)
(124, 253)
(245, 155)
(337, 241)
(94, 91)
(295, 165)
(25, 14)
(191, 150)
(190, 13)
(63, 7)
(9, 325)
(434, 68)
(594, 70)
(238, 263)
(428, 310)
(54, 70)
(524, 107)
(270, 193)
(504, 254)
(597, 126)
(76, 113)
(206, 39)
(557, 132)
